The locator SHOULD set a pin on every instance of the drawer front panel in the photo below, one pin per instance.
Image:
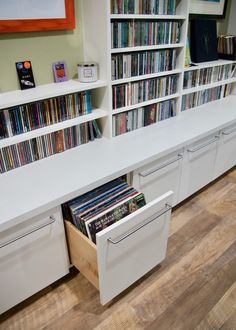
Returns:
(34, 257)
(226, 155)
(160, 176)
(198, 166)
(131, 247)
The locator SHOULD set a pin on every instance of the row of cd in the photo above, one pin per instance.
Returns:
(131, 33)
(144, 90)
(198, 98)
(153, 7)
(208, 75)
(142, 63)
(24, 118)
(44, 146)
(144, 116)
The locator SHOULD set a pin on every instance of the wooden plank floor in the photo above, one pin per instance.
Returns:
(194, 288)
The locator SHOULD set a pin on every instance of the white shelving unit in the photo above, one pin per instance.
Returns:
(11, 99)
(99, 23)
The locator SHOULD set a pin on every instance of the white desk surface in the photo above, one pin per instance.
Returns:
(42, 185)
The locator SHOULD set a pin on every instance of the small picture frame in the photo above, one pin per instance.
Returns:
(60, 71)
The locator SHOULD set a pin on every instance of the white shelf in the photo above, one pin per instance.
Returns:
(146, 76)
(18, 97)
(209, 64)
(143, 104)
(147, 16)
(208, 86)
(97, 113)
(141, 48)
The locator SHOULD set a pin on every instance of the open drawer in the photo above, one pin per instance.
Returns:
(125, 251)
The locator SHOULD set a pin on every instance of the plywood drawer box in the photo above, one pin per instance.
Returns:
(125, 251)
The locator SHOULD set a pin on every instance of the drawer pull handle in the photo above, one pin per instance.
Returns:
(52, 220)
(229, 132)
(216, 138)
(147, 173)
(167, 208)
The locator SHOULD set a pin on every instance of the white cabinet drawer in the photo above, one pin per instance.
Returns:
(125, 251)
(226, 152)
(160, 176)
(32, 256)
(198, 165)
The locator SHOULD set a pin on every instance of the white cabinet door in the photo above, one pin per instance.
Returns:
(226, 152)
(160, 176)
(132, 246)
(32, 256)
(198, 165)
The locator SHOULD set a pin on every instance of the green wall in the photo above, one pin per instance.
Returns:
(42, 49)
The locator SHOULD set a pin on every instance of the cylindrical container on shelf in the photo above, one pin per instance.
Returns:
(87, 72)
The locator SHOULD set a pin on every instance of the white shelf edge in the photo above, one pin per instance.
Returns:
(97, 113)
(42, 92)
(141, 48)
(209, 64)
(147, 16)
(147, 76)
(208, 86)
(143, 104)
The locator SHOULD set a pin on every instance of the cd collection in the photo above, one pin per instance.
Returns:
(142, 63)
(131, 120)
(198, 98)
(132, 33)
(143, 90)
(153, 7)
(29, 151)
(24, 118)
(205, 76)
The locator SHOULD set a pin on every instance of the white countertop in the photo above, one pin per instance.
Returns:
(35, 188)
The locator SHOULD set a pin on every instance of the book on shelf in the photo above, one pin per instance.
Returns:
(103, 206)
(226, 47)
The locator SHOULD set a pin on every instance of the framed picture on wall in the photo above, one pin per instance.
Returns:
(208, 8)
(35, 15)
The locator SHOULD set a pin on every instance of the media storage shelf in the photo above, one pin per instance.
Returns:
(96, 114)
(47, 91)
(144, 77)
(143, 104)
(141, 48)
(208, 86)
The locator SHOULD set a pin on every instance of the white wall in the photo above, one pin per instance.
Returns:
(232, 19)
